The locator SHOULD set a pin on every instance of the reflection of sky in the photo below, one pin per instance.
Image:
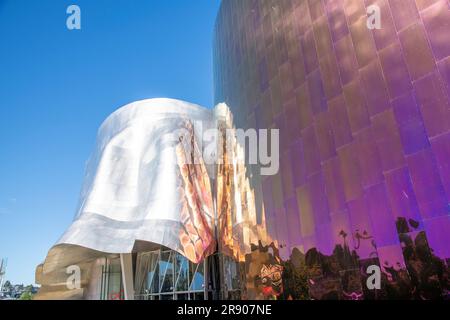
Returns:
(155, 278)
(197, 283)
(150, 279)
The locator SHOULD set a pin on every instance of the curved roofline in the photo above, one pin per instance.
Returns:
(152, 103)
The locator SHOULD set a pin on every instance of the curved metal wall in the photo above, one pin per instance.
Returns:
(364, 119)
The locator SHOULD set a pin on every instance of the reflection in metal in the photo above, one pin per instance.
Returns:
(140, 184)
(147, 182)
(364, 119)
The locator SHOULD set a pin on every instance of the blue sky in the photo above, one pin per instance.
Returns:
(57, 86)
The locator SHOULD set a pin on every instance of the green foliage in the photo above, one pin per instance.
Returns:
(27, 295)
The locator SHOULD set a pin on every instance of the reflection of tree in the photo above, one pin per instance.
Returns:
(343, 234)
(342, 274)
(365, 236)
(359, 237)
(295, 277)
(425, 275)
(428, 273)
(397, 283)
(182, 283)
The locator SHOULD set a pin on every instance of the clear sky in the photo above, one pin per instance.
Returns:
(57, 86)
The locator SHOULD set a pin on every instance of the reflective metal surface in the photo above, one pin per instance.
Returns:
(147, 182)
(364, 121)
(364, 179)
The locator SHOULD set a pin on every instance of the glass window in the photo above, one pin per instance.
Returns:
(153, 274)
(197, 277)
(166, 271)
(182, 273)
(111, 282)
(231, 273)
(169, 275)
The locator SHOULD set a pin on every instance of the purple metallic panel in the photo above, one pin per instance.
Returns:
(411, 127)
(356, 106)
(387, 137)
(362, 230)
(363, 42)
(286, 174)
(309, 51)
(336, 19)
(364, 119)
(324, 134)
(299, 176)
(330, 76)
(401, 194)
(383, 221)
(375, 88)
(350, 171)
(324, 238)
(437, 23)
(317, 92)
(395, 70)
(334, 186)
(369, 159)
(427, 184)
(444, 68)
(404, 13)
(434, 104)
(438, 235)
(311, 151)
(293, 219)
(441, 149)
(318, 199)
(340, 121)
(347, 63)
(417, 52)
(316, 9)
(387, 34)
